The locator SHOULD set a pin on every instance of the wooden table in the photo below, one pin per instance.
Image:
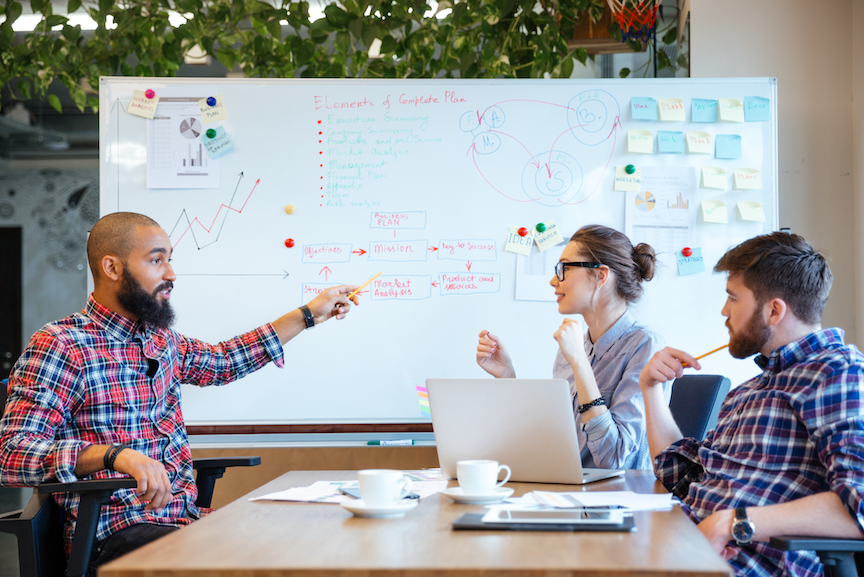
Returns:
(279, 538)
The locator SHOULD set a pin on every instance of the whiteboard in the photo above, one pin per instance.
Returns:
(415, 178)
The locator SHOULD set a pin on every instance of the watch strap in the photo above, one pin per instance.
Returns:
(741, 514)
(307, 316)
(111, 455)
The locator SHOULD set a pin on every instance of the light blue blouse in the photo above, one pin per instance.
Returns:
(617, 438)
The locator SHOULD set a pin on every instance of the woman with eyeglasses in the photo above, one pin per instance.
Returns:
(598, 275)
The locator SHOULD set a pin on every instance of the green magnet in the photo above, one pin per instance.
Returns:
(211, 133)
(630, 169)
(541, 227)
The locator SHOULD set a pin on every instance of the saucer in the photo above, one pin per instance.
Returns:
(398, 509)
(460, 496)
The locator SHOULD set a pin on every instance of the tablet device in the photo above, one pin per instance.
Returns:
(574, 516)
(473, 522)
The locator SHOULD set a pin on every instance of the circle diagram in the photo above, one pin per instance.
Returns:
(591, 116)
(191, 128)
(645, 201)
(552, 178)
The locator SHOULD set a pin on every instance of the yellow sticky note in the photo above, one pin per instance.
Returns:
(548, 238)
(748, 178)
(671, 109)
(519, 244)
(699, 142)
(731, 110)
(751, 210)
(213, 113)
(640, 141)
(714, 211)
(142, 106)
(714, 177)
(627, 182)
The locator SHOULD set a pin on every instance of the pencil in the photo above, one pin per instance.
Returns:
(357, 290)
(708, 353)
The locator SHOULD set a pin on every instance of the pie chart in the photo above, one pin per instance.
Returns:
(645, 201)
(191, 128)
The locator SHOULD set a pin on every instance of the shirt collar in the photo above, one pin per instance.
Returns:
(798, 351)
(116, 325)
(621, 326)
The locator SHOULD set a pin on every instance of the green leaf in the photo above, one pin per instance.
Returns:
(55, 103)
(106, 6)
(566, 68)
(336, 16)
(343, 42)
(320, 29)
(54, 20)
(73, 6)
(581, 55)
(388, 44)
(663, 60)
(43, 6)
(24, 89)
(275, 29)
(625, 72)
(671, 37)
(79, 97)
(71, 33)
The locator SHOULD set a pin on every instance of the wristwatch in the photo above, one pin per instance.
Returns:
(307, 317)
(742, 528)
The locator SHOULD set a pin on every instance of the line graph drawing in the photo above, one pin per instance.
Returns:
(184, 215)
(561, 151)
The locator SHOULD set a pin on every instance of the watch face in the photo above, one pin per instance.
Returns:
(742, 531)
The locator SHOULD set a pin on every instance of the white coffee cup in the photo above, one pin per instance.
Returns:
(382, 487)
(479, 477)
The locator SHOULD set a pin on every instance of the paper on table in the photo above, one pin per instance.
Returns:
(670, 142)
(671, 109)
(747, 178)
(728, 146)
(640, 141)
(714, 177)
(704, 110)
(626, 182)
(699, 142)
(328, 491)
(757, 109)
(643, 108)
(714, 211)
(629, 499)
(731, 110)
(751, 210)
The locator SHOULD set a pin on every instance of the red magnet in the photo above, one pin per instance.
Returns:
(523, 231)
(289, 242)
(149, 93)
(687, 251)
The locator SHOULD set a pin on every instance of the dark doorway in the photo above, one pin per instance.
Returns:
(10, 298)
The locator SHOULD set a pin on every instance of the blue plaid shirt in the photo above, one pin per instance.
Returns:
(83, 381)
(795, 430)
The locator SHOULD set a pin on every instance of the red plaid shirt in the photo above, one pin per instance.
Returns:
(84, 381)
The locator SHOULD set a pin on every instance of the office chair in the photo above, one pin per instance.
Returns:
(696, 401)
(841, 557)
(39, 526)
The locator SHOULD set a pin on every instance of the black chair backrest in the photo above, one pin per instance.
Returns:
(696, 401)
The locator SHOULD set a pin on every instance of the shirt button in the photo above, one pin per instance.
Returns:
(740, 411)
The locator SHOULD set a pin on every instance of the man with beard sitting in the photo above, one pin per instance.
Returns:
(97, 394)
(787, 454)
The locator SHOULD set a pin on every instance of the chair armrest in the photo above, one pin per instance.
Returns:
(87, 486)
(223, 462)
(799, 543)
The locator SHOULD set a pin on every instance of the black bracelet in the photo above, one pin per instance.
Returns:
(595, 403)
(307, 316)
(111, 455)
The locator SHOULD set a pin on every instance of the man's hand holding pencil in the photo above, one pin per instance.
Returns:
(669, 364)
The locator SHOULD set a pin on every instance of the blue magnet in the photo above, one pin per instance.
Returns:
(211, 101)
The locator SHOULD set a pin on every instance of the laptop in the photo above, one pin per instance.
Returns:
(527, 424)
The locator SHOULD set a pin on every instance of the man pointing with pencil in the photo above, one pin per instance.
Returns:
(787, 454)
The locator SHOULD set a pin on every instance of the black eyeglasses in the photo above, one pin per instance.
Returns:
(559, 267)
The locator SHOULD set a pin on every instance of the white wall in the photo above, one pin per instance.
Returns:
(810, 51)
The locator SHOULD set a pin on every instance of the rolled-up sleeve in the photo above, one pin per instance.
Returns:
(678, 465)
(617, 438)
(44, 389)
(204, 364)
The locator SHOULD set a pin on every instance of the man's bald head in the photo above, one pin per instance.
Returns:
(113, 234)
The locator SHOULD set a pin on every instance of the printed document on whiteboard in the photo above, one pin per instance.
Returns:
(662, 213)
(533, 273)
(176, 157)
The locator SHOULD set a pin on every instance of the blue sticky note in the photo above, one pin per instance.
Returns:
(704, 110)
(757, 109)
(727, 146)
(219, 144)
(643, 108)
(670, 142)
(690, 264)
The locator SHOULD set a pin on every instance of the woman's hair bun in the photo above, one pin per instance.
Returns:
(645, 259)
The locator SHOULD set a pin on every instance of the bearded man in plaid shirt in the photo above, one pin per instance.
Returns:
(97, 394)
(787, 454)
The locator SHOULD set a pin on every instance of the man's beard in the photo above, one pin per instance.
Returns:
(752, 338)
(145, 306)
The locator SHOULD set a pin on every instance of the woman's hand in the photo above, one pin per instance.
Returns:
(493, 357)
(571, 341)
